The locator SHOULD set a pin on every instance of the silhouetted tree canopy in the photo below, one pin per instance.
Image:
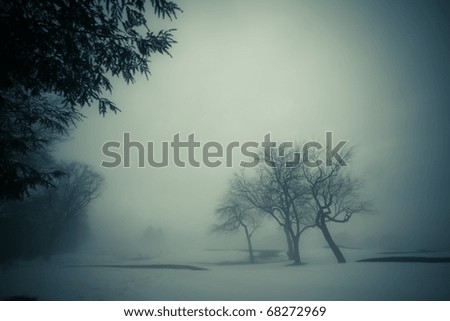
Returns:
(58, 56)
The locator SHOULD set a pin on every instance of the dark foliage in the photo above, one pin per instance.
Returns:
(57, 56)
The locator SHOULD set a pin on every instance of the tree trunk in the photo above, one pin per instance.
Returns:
(290, 252)
(249, 243)
(296, 241)
(336, 251)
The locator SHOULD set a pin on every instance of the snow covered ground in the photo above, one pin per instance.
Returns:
(319, 279)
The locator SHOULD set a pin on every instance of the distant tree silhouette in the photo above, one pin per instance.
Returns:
(50, 219)
(57, 56)
(154, 239)
(68, 201)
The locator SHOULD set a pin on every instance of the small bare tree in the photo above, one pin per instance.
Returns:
(235, 213)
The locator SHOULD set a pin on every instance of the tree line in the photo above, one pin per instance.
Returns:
(296, 198)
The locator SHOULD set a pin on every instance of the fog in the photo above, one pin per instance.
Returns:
(375, 74)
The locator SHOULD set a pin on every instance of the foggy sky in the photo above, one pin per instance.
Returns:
(374, 73)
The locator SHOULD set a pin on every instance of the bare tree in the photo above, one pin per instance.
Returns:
(280, 191)
(235, 213)
(49, 219)
(335, 196)
(301, 195)
(77, 188)
(70, 198)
